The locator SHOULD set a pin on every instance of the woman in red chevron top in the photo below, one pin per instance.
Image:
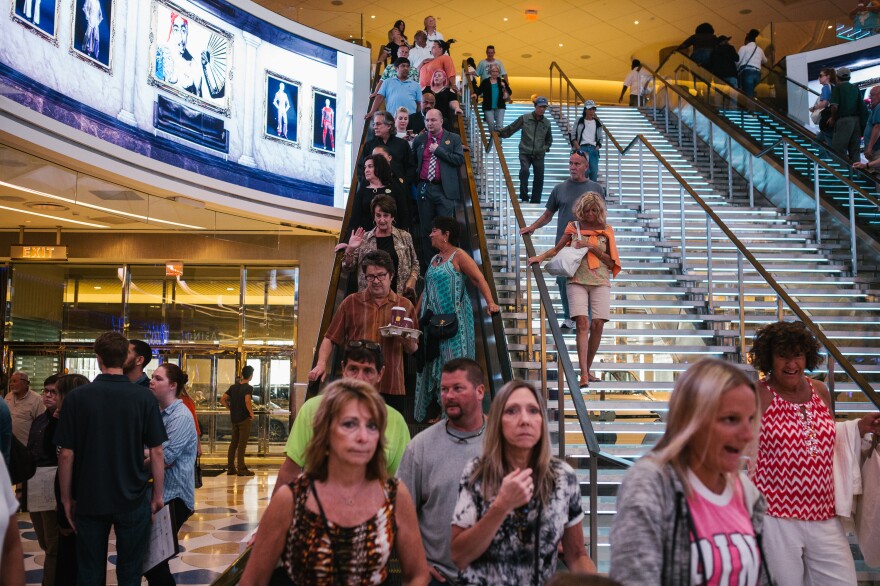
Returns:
(804, 540)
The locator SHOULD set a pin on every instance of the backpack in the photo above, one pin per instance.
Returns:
(21, 464)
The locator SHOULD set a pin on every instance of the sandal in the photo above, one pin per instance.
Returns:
(583, 383)
(594, 379)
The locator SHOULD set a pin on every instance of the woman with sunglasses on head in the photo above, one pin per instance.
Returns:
(446, 294)
(446, 98)
(589, 289)
(385, 236)
(516, 503)
(686, 514)
(338, 522)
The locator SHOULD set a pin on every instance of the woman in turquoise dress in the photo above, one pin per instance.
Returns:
(445, 292)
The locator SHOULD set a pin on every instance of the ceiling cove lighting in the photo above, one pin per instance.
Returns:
(95, 207)
(47, 216)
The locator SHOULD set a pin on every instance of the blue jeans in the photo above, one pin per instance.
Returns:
(732, 82)
(592, 152)
(749, 78)
(132, 538)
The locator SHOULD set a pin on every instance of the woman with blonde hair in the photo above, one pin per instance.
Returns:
(516, 503)
(685, 512)
(589, 289)
(338, 522)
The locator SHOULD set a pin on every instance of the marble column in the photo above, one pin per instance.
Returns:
(251, 84)
(131, 35)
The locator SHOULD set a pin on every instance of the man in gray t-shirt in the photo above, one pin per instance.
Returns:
(433, 462)
(562, 200)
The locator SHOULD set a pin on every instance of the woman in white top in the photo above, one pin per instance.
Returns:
(11, 555)
(431, 29)
(751, 58)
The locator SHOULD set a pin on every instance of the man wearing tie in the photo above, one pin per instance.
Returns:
(439, 154)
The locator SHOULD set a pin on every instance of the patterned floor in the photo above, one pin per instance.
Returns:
(227, 511)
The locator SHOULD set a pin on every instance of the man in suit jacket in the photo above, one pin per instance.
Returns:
(439, 154)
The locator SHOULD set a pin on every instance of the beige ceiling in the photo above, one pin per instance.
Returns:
(604, 30)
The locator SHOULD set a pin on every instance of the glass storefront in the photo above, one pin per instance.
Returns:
(211, 320)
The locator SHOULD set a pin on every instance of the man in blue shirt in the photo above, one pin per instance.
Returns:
(398, 92)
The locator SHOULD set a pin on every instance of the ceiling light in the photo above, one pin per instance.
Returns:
(830, 26)
(89, 224)
(94, 207)
(505, 19)
(230, 288)
(97, 288)
(585, 56)
(526, 55)
(372, 16)
(531, 15)
(337, 2)
(635, 22)
(46, 207)
(560, 44)
(745, 11)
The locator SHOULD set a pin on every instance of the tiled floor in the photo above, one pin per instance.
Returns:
(228, 509)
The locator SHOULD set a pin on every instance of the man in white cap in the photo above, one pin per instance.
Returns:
(534, 143)
(587, 138)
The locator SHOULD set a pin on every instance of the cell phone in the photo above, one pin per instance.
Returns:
(409, 132)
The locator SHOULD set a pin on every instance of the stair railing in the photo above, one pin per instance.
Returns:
(499, 192)
(753, 153)
(640, 143)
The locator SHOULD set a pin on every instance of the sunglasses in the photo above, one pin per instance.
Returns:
(364, 344)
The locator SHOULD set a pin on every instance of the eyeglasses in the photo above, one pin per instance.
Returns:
(376, 277)
(49, 392)
(364, 344)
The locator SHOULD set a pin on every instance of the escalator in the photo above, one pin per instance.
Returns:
(490, 342)
(774, 137)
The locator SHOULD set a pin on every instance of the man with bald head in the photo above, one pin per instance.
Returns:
(24, 405)
(439, 155)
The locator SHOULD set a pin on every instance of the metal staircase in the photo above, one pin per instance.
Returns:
(706, 259)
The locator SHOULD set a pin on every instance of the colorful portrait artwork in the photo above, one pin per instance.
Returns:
(323, 121)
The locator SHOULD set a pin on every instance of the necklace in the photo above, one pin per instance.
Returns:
(803, 412)
(463, 439)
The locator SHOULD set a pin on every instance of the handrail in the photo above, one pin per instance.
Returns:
(774, 71)
(736, 96)
(504, 367)
(744, 252)
(753, 147)
(336, 276)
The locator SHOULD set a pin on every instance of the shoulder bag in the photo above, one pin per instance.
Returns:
(567, 260)
(443, 326)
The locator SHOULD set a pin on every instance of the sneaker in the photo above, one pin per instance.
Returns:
(569, 324)
(246, 473)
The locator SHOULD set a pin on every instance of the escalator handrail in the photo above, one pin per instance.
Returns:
(503, 355)
(832, 349)
(712, 82)
(776, 70)
(336, 277)
(759, 150)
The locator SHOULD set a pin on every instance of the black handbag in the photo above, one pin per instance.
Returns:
(198, 472)
(443, 326)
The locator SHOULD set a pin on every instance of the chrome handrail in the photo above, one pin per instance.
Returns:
(742, 252)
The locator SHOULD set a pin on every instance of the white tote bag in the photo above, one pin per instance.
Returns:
(868, 516)
(567, 260)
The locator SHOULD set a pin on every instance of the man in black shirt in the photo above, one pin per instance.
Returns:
(238, 400)
(102, 432)
(403, 162)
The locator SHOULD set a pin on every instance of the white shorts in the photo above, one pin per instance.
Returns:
(590, 300)
(808, 552)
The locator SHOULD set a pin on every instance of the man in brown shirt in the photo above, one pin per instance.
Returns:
(361, 315)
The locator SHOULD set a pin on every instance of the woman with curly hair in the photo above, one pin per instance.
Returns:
(517, 503)
(804, 540)
(589, 289)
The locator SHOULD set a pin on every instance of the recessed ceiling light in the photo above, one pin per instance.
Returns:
(745, 11)
(97, 288)
(830, 26)
(467, 54)
(635, 22)
(505, 19)
(372, 16)
(230, 288)
(47, 207)
(585, 56)
(336, 2)
(526, 55)
(560, 44)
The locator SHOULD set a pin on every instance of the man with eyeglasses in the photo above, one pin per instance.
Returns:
(534, 142)
(433, 461)
(43, 452)
(360, 316)
(362, 360)
(402, 160)
(562, 199)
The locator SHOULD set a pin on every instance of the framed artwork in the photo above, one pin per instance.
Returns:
(92, 38)
(281, 106)
(38, 16)
(323, 121)
(190, 57)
